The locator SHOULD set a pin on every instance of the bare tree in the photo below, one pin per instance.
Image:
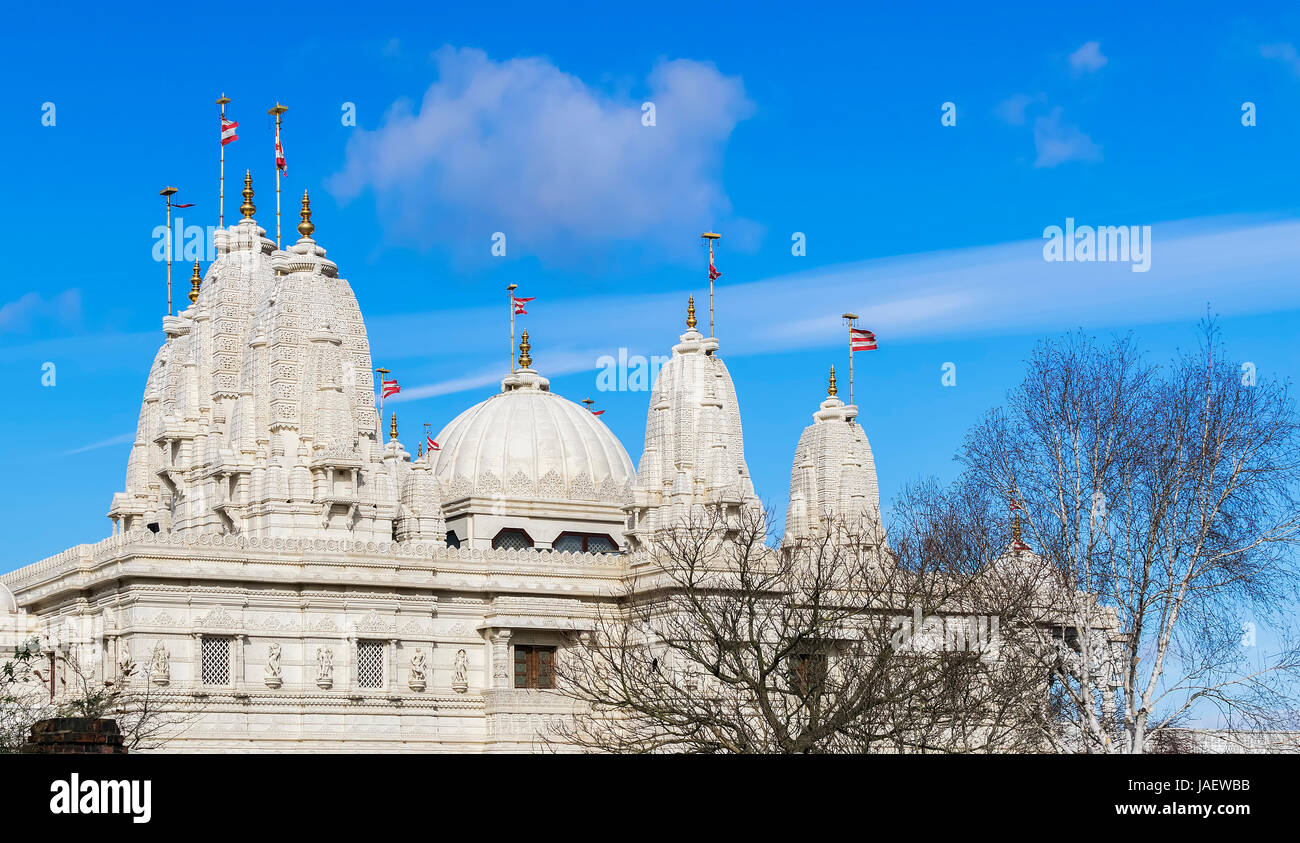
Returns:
(147, 718)
(1165, 498)
(720, 643)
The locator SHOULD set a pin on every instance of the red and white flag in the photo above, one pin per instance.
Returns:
(714, 275)
(860, 339)
(433, 446)
(228, 128)
(519, 304)
(390, 388)
(597, 412)
(279, 157)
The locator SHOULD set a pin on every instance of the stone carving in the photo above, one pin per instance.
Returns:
(274, 679)
(324, 667)
(372, 623)
(160, 668)
(125, 667)
(460, 672)
(417, 680)
(217, 618)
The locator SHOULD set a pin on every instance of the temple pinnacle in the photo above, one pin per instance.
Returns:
(525, 361)
(248, 208)
(306, 227)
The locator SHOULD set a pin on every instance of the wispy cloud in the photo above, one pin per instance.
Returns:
(1237, 265)
(1014, 109)
(120, 439)
(1284, 53)
(1088, 58)
(1057, 141)
(522, 147)
(22, 313)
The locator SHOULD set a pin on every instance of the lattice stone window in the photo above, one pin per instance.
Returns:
(370, 664)
(510, 539)
(585, 543)
(215, 659)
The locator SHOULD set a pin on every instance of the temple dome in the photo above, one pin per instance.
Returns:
(833, 478)
(528, 442)
(694, 454)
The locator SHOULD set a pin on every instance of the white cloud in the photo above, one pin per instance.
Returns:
(1088, 58)
(1057, 142)
(22, 313)
(1283, 52)
(522, 147)
(1014, 109)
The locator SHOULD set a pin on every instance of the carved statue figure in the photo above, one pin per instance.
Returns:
(324, 664)
(273, 662)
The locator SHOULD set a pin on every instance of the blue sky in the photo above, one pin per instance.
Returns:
(770, 120)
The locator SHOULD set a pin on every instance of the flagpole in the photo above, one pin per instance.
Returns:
(380, 430)
(710, 236)
(167, 193)
(851, 319)
(511, 292)
(221, 190)
(277, 111)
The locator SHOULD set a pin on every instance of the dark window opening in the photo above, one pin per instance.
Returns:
(534, 667)
(453, 540)
(807, 673)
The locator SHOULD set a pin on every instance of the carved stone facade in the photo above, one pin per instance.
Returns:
(316, 589)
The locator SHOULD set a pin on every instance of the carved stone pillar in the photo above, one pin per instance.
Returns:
(501, 658)
(237, 642)
(392, 665)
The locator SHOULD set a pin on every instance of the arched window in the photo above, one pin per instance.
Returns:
(512, 539)
(585, 543)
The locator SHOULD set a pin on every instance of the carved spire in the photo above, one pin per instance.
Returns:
(525, 362)
(832, 390)
(690, 313)
(195, 281)
(248, 208)
(306, 227)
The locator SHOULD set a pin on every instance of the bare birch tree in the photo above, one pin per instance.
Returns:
(1165, 497)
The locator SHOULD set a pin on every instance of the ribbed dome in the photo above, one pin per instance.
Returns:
(834, 474)
(528, 442)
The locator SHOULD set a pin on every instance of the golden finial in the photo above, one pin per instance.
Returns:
(392, 427)
(690, 312)
(419, 451)
(832, 390)
(195, 280)
(305, 228)
(524, 360)
(248, 208)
